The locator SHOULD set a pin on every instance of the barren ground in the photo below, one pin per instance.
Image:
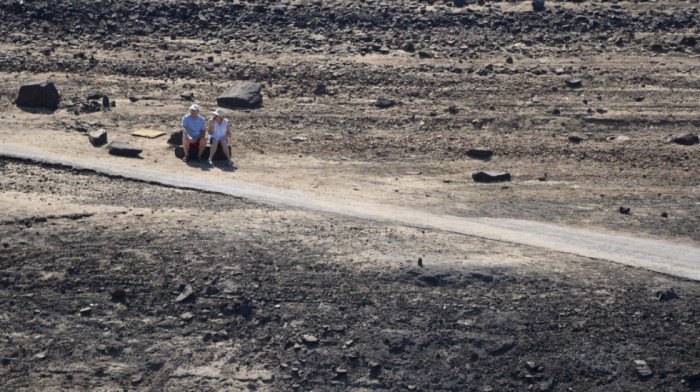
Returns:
(478, 315)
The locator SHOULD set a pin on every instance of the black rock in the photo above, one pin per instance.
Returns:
(480, 153)
(538, 5)
(624, 210)
(320, 89)
(638, 99)
(687, 140)
(501, 348)
(575, 138)
(665, 294)
(573, 82)
(118, 294)
(97, 137)
(553, 110)
(384, 103)
(94, 96)
(486, 176)
(187, 96)
(86, 311)
(425, 54)
(175, 138)
(245, 307)
(241, 95)
(38, 94)
(452, 109)
(459, 3)
(408, 47)
(123, 149)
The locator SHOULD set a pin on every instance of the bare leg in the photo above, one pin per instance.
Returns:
(186, 147)
(212, 150)
(202, 146)
(224, 145)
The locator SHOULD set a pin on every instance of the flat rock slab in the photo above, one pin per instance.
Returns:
(481, 153)
(241, 95)
(574, 82)
(687, 140)
(384, 103)
(38, 94)
(98, 137)
(123, 149)
(487, 176)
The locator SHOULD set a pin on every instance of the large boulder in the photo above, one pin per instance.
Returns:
(241, 95)
(123, 149)
(97, 137)
(487, 176)
(38, 94)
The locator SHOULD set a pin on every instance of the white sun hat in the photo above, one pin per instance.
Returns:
(218, 112)
(194, 107)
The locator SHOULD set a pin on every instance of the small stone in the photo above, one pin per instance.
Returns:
(309, 339)
(384, 103)
(574, 82)
(341, 371)
(553, 110)
(575, 138)
(535, 100)
(186, 295)
(638, 99)
(188, 96)
(531, 366)
(538, 5)
(664, 214)
(624, 210)
(298, 139)
(425, 54)
(642, 368)
(136, 378)
(41, 355)
(85, 312)
(187, 316)
(118, 294)
(665, 294)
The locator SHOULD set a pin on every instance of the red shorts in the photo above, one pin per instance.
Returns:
(194, 142)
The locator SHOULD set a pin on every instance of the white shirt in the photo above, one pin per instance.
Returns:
(219, 130)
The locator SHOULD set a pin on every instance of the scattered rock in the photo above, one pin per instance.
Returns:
(241, 95)
(574, 82)
(38, 94)
(245, 307)
(309, 339)
(538, 5)
(425, 54)
(320, 89)
(687, 140)
(299, 139)
(452, 109)
(642, 369)
(553, 110)
(186, 295)
(136, 378)
(624, 210)
(175, 138)
(384, 103)
(123, 149)
(85, 312)
(189, 96)
(576, 138)
(119, 294)
(97, 137)
(187, 316)
(480, 153)
(488, 176)
(665, 294)
(502, 348)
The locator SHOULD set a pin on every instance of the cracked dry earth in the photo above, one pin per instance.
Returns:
(109, 284)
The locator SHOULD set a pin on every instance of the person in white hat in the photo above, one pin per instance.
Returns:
(193, 132)
(220, 129)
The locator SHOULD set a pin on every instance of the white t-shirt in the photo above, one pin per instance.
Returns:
(219, 130)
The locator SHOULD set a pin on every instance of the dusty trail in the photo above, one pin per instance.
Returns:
(674, 259)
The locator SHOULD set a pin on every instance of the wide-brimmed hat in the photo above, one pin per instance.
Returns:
(194, 107)
(218, 112)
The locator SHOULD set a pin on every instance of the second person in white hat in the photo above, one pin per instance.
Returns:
(220, 130)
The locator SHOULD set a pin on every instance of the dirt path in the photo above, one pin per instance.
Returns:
(675, 259)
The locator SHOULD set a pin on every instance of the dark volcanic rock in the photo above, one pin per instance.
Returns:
(384, 103)
(538, 5)
(687, 140)
(98, 137)
(485, 176)
(481, 153)
(624, 210)
(665, 294)
(573, 82)
(38, 94)
(123, 149)
(186, 295)
(241, 95)
(575, 138)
